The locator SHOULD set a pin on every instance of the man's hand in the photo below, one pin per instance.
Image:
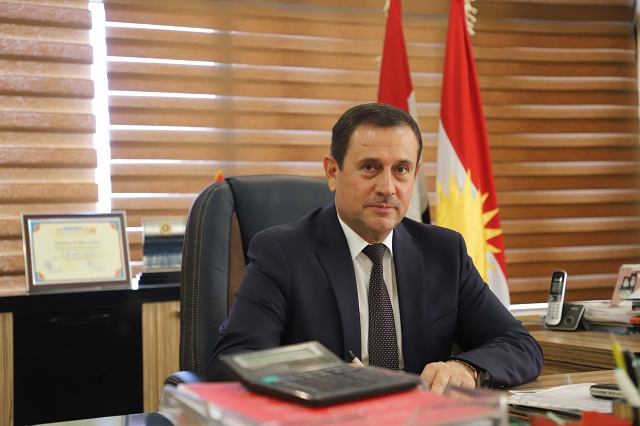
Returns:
(439, 374)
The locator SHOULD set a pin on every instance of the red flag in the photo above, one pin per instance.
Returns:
(218, 176)
(395, 79)
(466, 194)
(396, 89)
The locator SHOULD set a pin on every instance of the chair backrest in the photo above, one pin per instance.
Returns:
(221, 223)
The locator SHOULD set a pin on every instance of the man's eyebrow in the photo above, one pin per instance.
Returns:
(407, 162)
(369, 160)
(372, 160)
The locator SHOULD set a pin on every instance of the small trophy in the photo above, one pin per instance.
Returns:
(162, 241)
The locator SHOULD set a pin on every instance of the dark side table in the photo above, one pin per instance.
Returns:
(79, 355)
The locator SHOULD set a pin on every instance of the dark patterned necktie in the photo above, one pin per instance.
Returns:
(383, 344)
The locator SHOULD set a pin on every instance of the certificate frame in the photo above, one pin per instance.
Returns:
(75, 251)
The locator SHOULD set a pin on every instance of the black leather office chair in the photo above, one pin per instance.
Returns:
(221, 223)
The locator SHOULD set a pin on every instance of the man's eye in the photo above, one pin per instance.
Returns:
(402, 169)
(368, 167)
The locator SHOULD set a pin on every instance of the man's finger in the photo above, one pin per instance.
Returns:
(440, 382)
(455, 381)
(429, 373)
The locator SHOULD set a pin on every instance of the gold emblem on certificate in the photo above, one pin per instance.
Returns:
(74, 251)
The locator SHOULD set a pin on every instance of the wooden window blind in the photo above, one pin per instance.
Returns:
(47, 159)
(255, 87)
(559, 84)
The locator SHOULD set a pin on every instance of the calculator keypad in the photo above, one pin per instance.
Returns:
(342, 378)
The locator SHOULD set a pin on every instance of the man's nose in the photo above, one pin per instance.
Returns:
(385, 184)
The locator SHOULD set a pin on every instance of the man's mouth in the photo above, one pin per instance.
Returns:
(382, 208)
(383, 204)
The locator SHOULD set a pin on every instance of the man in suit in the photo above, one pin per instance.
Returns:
(358, 276)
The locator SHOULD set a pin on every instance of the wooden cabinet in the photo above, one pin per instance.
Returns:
(160, 348)
(95, 354)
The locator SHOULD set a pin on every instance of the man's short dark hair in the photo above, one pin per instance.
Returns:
(374, 114)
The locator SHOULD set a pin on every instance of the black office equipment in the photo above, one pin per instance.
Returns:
(571, 318)
(308, 373)
(606, 391)
(629, 359)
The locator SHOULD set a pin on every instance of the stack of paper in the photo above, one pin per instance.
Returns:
(601, 316)
(602, 311)
(569, 399)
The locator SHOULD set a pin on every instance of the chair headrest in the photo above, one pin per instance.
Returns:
(263, 201)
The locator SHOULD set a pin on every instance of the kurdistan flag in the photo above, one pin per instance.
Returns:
(466, 195)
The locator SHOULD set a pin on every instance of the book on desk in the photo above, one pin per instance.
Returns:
(229, 403)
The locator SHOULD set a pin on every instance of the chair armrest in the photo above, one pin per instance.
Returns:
(184, 377)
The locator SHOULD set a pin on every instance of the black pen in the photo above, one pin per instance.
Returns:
(636, 368)
(355, 359)
(628, 360)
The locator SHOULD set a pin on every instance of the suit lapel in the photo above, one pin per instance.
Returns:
(335, 259)
(410, 282)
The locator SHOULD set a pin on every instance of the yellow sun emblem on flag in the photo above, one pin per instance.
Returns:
(463, 213)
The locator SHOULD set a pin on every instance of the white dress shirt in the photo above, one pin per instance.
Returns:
(363, 266)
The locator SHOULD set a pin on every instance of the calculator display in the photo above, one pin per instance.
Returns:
(262, 360)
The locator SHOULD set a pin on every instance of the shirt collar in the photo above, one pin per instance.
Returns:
(357, 243)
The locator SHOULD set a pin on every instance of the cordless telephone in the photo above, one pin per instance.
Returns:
(556, 297)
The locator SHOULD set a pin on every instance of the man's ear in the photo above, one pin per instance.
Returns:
(331, 171)
(415, 177)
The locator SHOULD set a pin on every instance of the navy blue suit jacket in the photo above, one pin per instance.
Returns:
(300, 285)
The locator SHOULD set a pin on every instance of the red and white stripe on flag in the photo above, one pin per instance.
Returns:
(396, 88)
(466, 194)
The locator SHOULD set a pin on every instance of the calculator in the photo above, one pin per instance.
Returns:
(310, 374)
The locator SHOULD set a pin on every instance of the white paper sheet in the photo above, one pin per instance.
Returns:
(603, 312)
(569, 397)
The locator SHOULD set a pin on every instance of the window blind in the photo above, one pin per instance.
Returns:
(47, 159)
(254, 87)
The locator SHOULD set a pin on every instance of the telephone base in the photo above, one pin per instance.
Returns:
(571, 318)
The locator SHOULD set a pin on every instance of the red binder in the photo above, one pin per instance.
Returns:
(231, 404)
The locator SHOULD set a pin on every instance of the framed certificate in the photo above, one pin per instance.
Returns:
(70, 252)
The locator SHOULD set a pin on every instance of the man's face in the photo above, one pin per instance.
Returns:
(374, 187)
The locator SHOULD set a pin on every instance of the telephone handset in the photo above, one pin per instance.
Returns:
(556, 298)
(562, 316)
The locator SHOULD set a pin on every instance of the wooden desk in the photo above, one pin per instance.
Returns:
(544, 382)
(580, 351)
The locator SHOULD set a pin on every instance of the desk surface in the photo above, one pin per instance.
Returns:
(576, 351)
(586, 339)
(89, 299)
(544, 382)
